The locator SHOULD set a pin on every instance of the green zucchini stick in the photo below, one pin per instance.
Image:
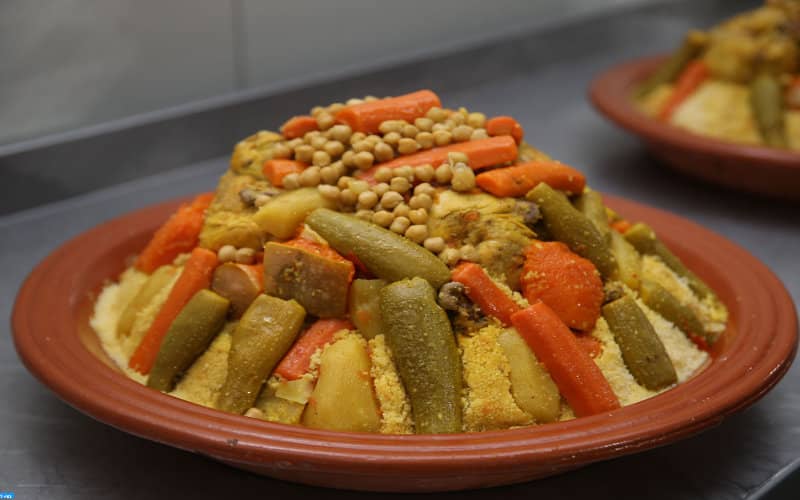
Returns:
(766, 99)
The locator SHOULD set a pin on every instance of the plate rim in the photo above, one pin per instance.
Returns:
(53, 355)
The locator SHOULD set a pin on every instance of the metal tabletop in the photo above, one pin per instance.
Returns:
(49, 450)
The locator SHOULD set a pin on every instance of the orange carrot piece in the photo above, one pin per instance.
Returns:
(591, 345)
(793, 94)
(176, 236)
(620, 226)
(483, 291)
(569, 284)
(296, 361)
(505, 125)
(196, 275)
(690, 79)
(482, 153)
(276, 169)
(367, 117)
(318, 249)
(298, 126)
(577, 376)
(517, 180)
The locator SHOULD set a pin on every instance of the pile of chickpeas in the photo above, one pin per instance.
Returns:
(394, 202)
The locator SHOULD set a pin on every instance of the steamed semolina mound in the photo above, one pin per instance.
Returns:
(399, 267)
(737, 82)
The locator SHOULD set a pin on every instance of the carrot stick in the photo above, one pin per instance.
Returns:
(367, 117)
(276, 169)
(692, 77)
(196, 275)
(481, 153)
(298, 126)
(569, 284)
(176, 236)
(485, 292)
(296, 362)
(578, 378)
(517, 180)
(589, 344)
(505, 125)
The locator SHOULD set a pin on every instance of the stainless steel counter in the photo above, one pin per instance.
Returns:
(48, 450)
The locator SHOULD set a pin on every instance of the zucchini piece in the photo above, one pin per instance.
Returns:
(418, 333)
(156, 282)
(590, 204)
(365, 307)
(629, 261)
(657, 298)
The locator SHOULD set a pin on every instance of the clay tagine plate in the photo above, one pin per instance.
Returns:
(54, 339)
(756, 169)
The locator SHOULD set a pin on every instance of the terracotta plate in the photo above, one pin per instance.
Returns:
(756, 169)
(56, 343)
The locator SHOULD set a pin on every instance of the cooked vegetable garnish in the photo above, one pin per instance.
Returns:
(343, 398)
(419, 335)
(668, 72)
(505, 125)
(517, 180)
(566, 282)
(365, 308)
(296, 362)
(195, 276)
(178, 235)
(642, 350)
(312, 274)
(577, 376)
(386, 254)
(484, 292)
(262, 337)
(368, 116)
(565, 223)
(767, 100)
(691, 78)
(188, 337)
(446, 277)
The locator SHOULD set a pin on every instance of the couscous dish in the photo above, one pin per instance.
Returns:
(395, 266)
(738, 82)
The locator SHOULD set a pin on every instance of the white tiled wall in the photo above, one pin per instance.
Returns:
(72, 63)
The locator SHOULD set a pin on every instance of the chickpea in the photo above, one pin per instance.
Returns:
(382, 218)
(281, 150)
(392, 138)
(457, 118)
(391, 199)
(423, 173)
(400, 185)
(462, 133)
(358, 186)
(407, 146)
(450, 256)
(442, 137)
(406, 171)
(365, 215)
(418, 216)
(425, 140)
(354, 101)
(261, 200)
(321, 159)
(362, 146)
(391, 126)
(347, 158)
(425, 188)
(304, 153)
(348, 197)
(367, 199)
(334, 148)
(424, 124)
(421, 201)
(435, 244)
(291, 181)
(463, 179)
(318, 142)
(310, 176)
(383, 174)
(373, 139)
(309, 136)
(440, 127)
(400, 224)
(457, 157)
(339, 168)
(436, 114)
(478, 134)
(325, 120)
(417, 233)
(409, 131)
(443, 173)
(329, 192)
(383, 152)
(370, 98)
(227, 253)
(340, 133)
(328, 175)
(476, 120)
(357, 137)
(344, 182)
(469, 252)
(401, 210)
(380, 189)
(335, 108)
(297, 141)
(363, 160)
(317, 110)
(245, 255)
